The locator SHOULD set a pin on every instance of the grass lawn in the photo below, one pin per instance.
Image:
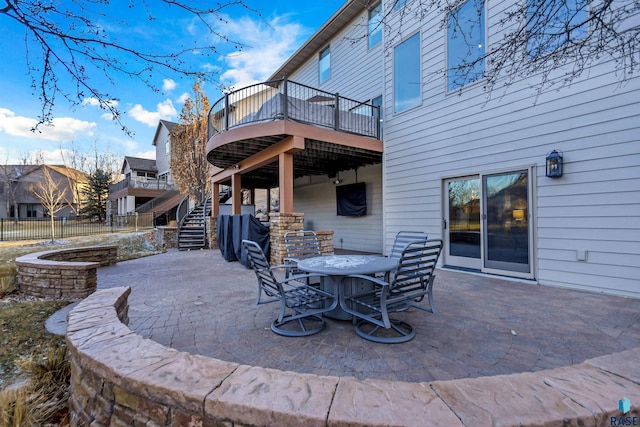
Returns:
(22, 330)
(22, 333)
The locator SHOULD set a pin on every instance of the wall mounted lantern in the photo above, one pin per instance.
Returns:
(554, 164)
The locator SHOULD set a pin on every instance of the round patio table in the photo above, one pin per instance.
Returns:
(336, 267)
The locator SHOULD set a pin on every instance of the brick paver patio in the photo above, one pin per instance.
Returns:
(197, 302)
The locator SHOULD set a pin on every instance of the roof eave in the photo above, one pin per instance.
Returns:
(348, 11)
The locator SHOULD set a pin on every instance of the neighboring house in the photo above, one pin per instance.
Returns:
(162, 142)
(17, 184)
(454, 163)
(147, 185)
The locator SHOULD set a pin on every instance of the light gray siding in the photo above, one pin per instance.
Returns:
(595, 206)
(162, 158)
(350, 57)
(316, 198)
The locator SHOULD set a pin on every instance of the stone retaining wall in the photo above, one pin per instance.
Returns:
(119, 378)
(63, 273)
(166, 237)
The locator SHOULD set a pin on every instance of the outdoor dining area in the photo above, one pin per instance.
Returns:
(365, 289)
(197, 302)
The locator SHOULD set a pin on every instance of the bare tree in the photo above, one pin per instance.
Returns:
(189, 166)
(88, 163)
(72, 39)
(51, 194)
(556, 40)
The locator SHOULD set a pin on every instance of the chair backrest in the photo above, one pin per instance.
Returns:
(258, 262)
(402, 239)
(417, 264)
(301, 244)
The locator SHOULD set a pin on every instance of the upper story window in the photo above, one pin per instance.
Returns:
(167, 146)
(553, 23)
(375, 25)
(399, 4)
(324, 65)
(407, 84)
(377, 102)
(465, 44)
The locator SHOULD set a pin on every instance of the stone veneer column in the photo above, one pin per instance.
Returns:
(280, 223)
(325, 241)
(212, 232)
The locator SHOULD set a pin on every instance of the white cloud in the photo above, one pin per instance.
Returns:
(61, 128)
(165, 111)
(95, 102)
(168, 85)
(267, 47)
(182, 98)
(151, 154)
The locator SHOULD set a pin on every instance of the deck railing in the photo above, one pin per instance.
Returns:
(283, 99)
(152, 184)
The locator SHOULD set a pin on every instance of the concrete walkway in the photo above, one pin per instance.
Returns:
(197, 302)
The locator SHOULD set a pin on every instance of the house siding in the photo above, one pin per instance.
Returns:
(350, 57)
(316, 197)
(595, 206)
(162, 159)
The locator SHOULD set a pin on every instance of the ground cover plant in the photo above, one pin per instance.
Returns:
(34, 372)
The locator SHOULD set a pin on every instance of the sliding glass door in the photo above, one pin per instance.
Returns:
(487, 224)
(506, 235)
(462, 222)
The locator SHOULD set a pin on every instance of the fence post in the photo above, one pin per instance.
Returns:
(136, 215)
(1, 229)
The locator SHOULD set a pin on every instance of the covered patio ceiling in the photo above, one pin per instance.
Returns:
(320, 156)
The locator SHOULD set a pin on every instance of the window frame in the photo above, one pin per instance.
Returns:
(448, 68)
(377, 30)
(399, 4)
(326, 57)
(417, 34)
(534, 52)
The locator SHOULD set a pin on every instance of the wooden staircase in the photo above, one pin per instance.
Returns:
(192, 232)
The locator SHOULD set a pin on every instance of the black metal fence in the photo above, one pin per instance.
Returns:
(40, 228)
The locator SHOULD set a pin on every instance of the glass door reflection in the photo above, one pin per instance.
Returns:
(463, 222)
(506, 232)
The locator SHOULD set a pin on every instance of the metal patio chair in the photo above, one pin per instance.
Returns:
(300, 245)
(411, 284)
(402, 239)
(301, 305)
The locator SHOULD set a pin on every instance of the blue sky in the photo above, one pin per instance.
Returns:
(269, 42)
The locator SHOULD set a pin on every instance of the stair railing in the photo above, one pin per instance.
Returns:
(183, 211)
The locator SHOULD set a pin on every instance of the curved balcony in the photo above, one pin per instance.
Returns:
(326, 133)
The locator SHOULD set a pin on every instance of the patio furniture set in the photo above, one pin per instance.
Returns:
(366, 289)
